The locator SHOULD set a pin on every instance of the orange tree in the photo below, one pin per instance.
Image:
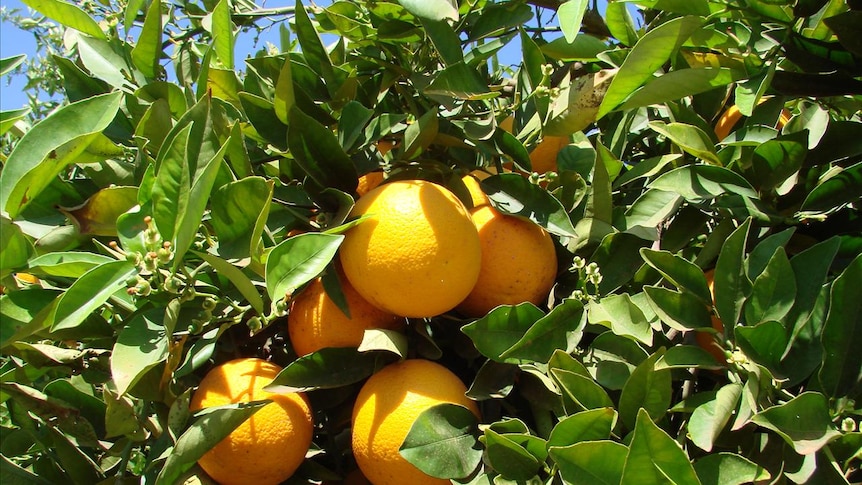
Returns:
(160, 221)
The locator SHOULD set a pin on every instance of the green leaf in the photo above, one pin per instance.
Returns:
(620, 23)
(493, 381)
(90, 292)
(431, 9)
(222, 32)
(652, 208)
(148, 51)
(15, 249)
(646, 57)
(311, 44)
(239, 280)
(571, 14)
(703, 182)
(316, 150)
(351, 126)
(50, 146)
(105, 64)
(773, 292)
(777, 160)
(14, 474)
(509, 458)
(67, 14)
(591, 462)
(327, 368)
(622, 316)
(25, 312)
(729, 469)
(513, 194)
(502, 328)
(561, 328)
(655, 458)
(613, 358)
(834, 192)
(681, 83)
(445, 40)
(496, 18)
(284, 97)
(679, 271)
(8, 64)
(239, 211)
(619, 258)
(841, 371)
(298, 260)
(591, 425)
(709, 419)
(690, 138)
(140, 346)
(419, 135)
(648, 389)
(679, 310)
(459, 81)
(804, 422)
(732, 285)
(763, 343)
(206, 432)
(580, 392)
(686, 357)
(443, 442)
(8, 118)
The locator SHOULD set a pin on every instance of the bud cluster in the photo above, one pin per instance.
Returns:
(589, 278)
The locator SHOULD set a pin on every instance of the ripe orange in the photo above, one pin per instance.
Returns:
(519, 262)
(385, 409)
(707, 340)
(269, 446)
(416, 254)
(543, 157)
(477, 196)
(732, 115)
(369, 181)
(316, 322)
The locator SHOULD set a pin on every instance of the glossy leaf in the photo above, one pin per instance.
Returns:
(804, 422)
(67, 14)
(513, 194)
(686, 357)
(729, 469)
(222, 32)
(678, 310)
(679, 271)
(140, 346)
(841, 371)
(561, 328)
(298, 260)
(702, 182)
(443, 442)
(431, 9)
(681, 83)
(591, 425)
(8, 118)
(91, 291)
(709, 419)
(653, 207)
(239, 280)
(15, 249)
(72, 264)
(316, 149)
(690, 138)
(773, 291)
(842, 188)
(580, 392)
(239, 211)
(50, 146)
(507, 457)
(327, 368)
(571, 14)
(98, 215)
(148, 51)
(648, 389)
(502, 328)
(655, 458)
(591, 462)
(776, 160)
(764, 343)
(732, 285)
(204, 433)
(622, 316)
(647, 56)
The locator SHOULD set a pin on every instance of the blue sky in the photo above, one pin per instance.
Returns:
(14, 41)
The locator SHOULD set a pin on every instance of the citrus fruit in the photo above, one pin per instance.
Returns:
(385, 409)
(417, 252)
(269, 446)
(543, 157)
(316, 322)
(477, 195)
(519, 262)
(369, 181)
(731, 116)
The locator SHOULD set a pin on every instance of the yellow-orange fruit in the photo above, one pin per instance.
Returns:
(519, 262)
(706, 340)
(417, 252)
(385, 409)
(268, 447)
(315, 321)
(477, 196)
(369, 181)
(543, 157)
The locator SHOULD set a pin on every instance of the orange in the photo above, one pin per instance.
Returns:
(417, 252)
(543, 157)
(732, 115)
(519, 262)
(707, 340)
(478, 197)
(369, 181)
(269, 446)
(385, 409)
(316, 322)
